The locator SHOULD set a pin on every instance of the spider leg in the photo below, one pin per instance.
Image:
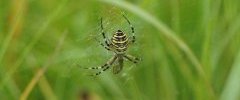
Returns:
(103, 33)
(100, 67)
(132, 58)
(106, 47)
(132, 29)
(105, 66)
(98, 73)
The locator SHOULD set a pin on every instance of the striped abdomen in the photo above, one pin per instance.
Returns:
(120, 41)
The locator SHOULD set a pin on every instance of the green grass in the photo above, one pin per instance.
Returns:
(189, 49)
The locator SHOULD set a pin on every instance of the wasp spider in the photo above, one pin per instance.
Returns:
(118, 44)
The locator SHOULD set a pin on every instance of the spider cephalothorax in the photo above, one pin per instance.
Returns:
(117, 44)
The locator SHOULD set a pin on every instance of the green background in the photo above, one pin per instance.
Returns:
(189, 49)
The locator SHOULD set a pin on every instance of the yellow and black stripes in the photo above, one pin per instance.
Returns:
(119, 41)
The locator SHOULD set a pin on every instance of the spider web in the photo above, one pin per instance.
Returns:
(112, 21)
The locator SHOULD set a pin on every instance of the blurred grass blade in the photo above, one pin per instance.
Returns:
(13, 29)
(31, 44)
(231, 33)
(232, 87)
(14, 22)
(41, 71)
(46, 89)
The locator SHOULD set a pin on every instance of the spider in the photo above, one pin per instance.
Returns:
(118, 44)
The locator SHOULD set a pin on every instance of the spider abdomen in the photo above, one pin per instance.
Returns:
(120, 41)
